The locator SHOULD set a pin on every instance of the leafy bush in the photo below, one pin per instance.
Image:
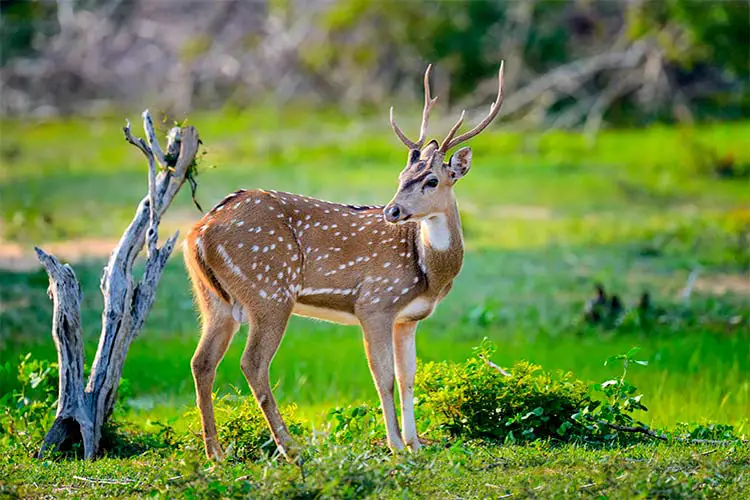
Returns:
(242, 428)
(123, 439)
(28, 411)
(355, 423)
(475, 400)
(601, 418)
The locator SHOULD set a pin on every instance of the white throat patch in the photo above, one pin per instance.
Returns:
(435, 232)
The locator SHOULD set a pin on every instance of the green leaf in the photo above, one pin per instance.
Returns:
(632, 352)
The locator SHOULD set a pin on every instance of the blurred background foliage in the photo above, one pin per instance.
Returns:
(568, 63)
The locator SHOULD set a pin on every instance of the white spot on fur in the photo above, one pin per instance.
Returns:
(228, 261)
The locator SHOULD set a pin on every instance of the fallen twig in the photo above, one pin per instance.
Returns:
(105, 480)
(661, 437)
(496, 367)
(688, 290)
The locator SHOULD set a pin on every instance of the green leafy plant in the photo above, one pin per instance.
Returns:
(607, 418)
(27, 412)
(124, 439)
(476, 400)
(707, 432)
(355, 423)
(243, 430)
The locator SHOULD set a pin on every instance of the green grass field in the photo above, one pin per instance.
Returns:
(545, 216)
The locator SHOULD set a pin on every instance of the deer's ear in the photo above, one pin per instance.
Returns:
(460, 163)
(428, 150)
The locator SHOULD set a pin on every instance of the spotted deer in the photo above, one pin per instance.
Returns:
(260, 256)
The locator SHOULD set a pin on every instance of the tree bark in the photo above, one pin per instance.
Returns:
(83, 411)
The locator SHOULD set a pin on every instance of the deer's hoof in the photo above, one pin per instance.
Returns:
(414, 446)
(292, 453)
(214, 452)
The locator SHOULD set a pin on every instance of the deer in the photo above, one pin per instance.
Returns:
(261, 256)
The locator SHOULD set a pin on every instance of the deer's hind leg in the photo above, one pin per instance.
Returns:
(219, 326)
(267, 326)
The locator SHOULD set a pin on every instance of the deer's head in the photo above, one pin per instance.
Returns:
(426, 183)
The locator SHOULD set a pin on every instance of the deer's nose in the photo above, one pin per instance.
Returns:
(392, 213)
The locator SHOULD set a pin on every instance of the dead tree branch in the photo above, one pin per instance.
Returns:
(82, 412)
(661, 437)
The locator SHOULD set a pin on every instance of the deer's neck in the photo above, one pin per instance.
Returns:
(440, 245)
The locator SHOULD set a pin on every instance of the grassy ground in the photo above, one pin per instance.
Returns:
(545, 217)
(540, 471)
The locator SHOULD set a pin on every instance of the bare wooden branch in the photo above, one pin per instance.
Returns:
(496, 367)
(127, 302)
(65, 293)
(661, 437)
(151, 140)
(619, 87)
(104, 480)
(571, 76)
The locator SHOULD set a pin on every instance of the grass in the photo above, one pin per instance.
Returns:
(541, 470)
(545, 216)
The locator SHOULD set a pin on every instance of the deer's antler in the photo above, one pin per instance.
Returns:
(428, 103)
(449, 142)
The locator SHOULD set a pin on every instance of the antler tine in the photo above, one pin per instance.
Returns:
(429, 101)
(409, 144)
(449, 142)
(451, 133)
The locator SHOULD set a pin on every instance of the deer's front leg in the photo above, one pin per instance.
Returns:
(378, 335)
(404, 343)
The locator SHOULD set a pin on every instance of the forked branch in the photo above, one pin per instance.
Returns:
(82, 412)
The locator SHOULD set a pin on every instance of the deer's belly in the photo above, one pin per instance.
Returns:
(416, 310)
(325, 314)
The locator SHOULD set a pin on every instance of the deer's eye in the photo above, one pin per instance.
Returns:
(431, 183)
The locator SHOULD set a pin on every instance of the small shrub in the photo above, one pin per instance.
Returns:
(355, 423)
(242, 428)
(124, 439)
(707, 431)
(28, 411)
(617, 407)
(475, 400)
